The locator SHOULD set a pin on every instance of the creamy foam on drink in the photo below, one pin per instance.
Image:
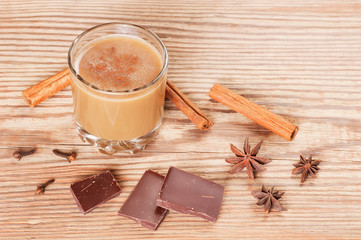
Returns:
(118, 63)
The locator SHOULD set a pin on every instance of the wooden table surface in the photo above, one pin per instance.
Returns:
(300, 59)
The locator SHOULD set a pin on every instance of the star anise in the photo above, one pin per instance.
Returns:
(247, 159)
(306, 166)
(269, 198)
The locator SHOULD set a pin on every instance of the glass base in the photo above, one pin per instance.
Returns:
(112, 146)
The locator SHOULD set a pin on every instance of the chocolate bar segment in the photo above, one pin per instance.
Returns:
(94, 190)
(187, 193)
(141, 203)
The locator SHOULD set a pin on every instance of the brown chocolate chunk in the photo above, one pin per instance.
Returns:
(187, 193)
(94, 190)
(141, 203)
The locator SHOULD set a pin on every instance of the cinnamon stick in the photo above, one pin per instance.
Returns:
(258, 114)
(187, 107)
(47, 88)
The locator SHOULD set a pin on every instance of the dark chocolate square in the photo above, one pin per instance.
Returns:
(141, 203)
(187, 193)
(94, 190)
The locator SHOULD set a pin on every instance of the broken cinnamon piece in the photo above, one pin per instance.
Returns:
(47, 88)
(187, 107)
(253, 111)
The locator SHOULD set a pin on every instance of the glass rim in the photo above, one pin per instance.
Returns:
(78, 77)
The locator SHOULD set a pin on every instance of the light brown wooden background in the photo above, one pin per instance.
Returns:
(300, 59)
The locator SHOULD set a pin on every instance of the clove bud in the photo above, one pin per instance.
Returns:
(19, 153)
(71, 156)
(41, 188)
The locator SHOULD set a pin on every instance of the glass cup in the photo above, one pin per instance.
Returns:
(115, 121)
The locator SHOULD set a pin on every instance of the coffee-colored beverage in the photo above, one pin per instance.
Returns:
(118, 97)
(119, 63)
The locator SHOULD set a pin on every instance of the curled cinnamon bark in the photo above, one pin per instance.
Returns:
(47, 88)
(187, 107)
(258, 114)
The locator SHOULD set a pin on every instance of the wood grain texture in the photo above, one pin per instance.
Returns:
(299, 59)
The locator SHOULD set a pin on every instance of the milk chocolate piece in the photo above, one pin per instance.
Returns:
(187, 193)
(94, 190)
(141, 203)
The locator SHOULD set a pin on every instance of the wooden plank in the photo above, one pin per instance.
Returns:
(300, 59)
